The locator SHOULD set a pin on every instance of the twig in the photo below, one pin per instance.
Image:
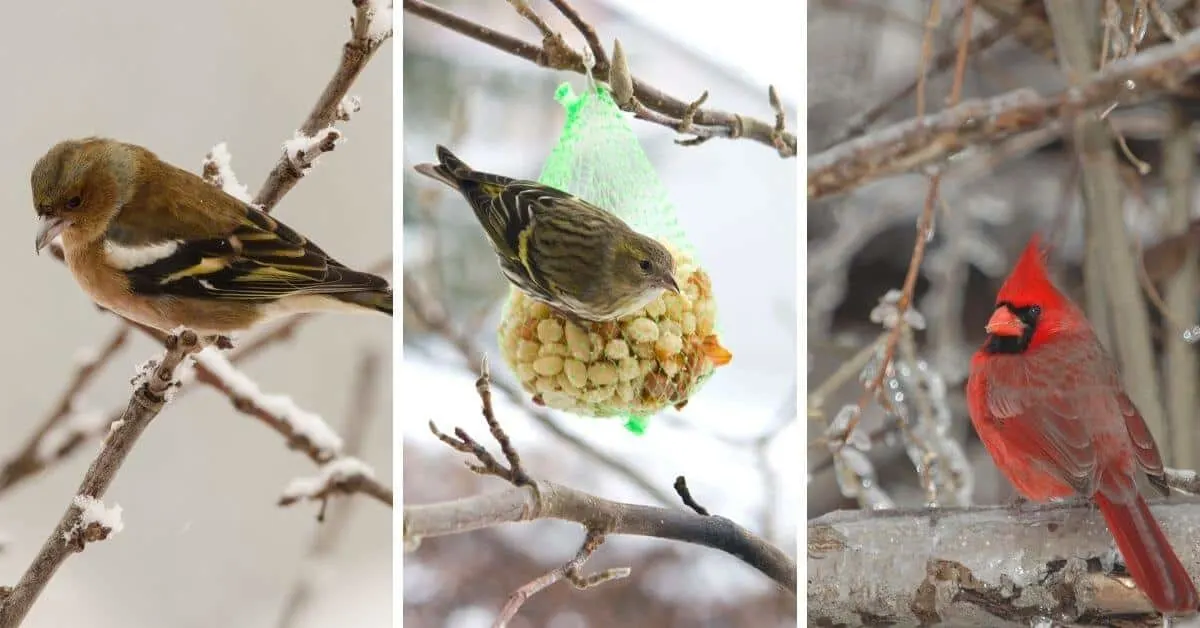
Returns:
(329, 533)
(685, 494)
(913, 144)
(568, 571)
(33, 456)
(151, 394)
(365, 40)
(433, 316)
(671, 111)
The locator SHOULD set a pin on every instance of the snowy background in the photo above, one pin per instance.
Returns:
(204, 543)
(737, 202)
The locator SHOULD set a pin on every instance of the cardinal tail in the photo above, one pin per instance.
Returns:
(1148, 555)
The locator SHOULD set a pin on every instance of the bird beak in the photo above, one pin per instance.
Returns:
(670, 284)
(1004, 323)
(48, 229)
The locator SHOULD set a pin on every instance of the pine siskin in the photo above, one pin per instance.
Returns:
(559, 249)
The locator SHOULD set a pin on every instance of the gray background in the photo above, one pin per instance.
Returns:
(204, 543)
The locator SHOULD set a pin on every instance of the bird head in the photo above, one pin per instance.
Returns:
(642, 264)
(79, 185)
(1029, 307)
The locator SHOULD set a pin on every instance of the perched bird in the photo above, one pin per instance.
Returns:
(559, 249)
(162, 247)
(1047, 402)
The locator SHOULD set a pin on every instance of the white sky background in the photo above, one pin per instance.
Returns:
(768, 53)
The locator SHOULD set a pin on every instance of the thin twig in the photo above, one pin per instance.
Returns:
(685, 494)
(149, 397)
(568, 571)
(671, 111)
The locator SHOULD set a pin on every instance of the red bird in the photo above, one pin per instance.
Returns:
(1047, 402)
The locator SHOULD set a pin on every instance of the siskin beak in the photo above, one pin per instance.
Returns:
(48, 229)
(670, 284)
(1004, 323)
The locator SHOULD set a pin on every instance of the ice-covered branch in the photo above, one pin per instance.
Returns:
(913, 144)
(982, 566)
(649, 103)
(370, 27)
(85, 518)
(530, 500)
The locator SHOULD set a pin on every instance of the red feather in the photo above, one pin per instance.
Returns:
(1050, 409)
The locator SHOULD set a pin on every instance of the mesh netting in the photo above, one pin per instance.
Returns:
(639, 364)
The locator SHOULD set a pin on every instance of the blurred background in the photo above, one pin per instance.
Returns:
(204, 543)
(737, 439)
(864, 60)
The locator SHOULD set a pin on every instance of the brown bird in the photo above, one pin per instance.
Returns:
(164, 248)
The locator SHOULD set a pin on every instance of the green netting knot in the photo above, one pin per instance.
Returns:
(639, 364)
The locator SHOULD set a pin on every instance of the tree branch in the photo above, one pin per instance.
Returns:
(982, 566)
(530, 499)
(368, 31)
(914, 144)
(151, 394)
(676, 114)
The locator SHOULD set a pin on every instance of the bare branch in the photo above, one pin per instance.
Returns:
(568, 571)
(529, 500)
(657, 106)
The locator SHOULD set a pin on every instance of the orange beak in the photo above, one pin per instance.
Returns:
(1004, 323)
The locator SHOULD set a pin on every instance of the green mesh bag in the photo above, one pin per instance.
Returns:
(641, 363)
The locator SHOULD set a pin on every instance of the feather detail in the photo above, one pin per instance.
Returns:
(125, 257)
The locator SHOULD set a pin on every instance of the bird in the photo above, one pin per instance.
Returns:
(583, 261)
(1047, 401)
(160, 246)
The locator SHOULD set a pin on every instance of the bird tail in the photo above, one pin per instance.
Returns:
(1148, 555)
(451, 170)
(378, 300)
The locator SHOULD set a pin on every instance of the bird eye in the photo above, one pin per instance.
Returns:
(1035, 310)
(644, 265)
(74, 202)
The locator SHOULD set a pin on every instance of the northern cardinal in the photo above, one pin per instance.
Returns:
(1047, 402)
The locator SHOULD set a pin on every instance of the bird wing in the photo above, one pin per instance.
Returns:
(1053, 403)
(248, 256)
